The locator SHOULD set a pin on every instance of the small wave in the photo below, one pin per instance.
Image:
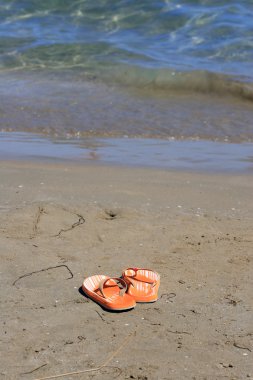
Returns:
(190, 81)
(111, 64)
(165, 80)
(160, 81)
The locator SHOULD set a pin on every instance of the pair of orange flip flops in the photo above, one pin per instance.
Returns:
(114, 293)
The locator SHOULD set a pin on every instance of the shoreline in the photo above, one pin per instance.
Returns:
(183, 155)
(194, 229)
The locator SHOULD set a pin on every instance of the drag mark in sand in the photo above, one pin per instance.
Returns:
(242, 348)
(43, 270)
(101, 317)
(80, 221)
(168, 296)
(37, 221)
(33, 370)
(179, 332)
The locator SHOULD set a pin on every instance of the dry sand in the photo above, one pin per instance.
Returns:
(194, 229)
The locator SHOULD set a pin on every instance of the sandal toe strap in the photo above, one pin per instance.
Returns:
(117, 281)
(144, 279)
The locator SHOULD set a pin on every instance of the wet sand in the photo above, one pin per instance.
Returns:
(61, 223)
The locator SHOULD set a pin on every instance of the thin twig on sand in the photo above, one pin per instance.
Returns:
(105, 364)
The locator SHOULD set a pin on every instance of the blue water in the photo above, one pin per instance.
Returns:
(96, 36)
(149, 69)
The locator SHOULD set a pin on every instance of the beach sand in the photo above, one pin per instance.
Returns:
(80, 220)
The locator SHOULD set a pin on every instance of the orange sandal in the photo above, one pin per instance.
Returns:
(107, 293)
(143, 284)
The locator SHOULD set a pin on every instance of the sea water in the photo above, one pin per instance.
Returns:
(159, 69)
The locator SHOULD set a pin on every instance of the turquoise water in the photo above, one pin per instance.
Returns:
(155, 38)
